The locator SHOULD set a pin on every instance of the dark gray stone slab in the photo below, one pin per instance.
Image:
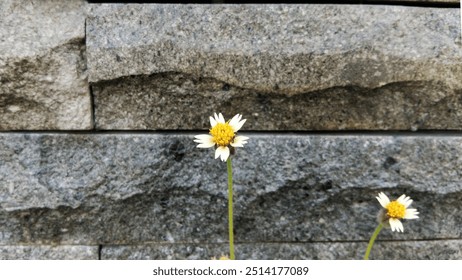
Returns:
(385, 250)
(156, 102)
(43, 78)
(134, 188)
(296, 67)
(24, 252)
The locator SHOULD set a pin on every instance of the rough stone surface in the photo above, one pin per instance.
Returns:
(408, 1)
(43, 79)
(21, 252)
(294, 48)
(158, 101)
(297, 67)
(414, 250)
(135, 188)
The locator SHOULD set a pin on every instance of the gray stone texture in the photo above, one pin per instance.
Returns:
(284, 67)
(418, 1)
(43, 79)
(24, 252)
(138, 188)
(384, 250)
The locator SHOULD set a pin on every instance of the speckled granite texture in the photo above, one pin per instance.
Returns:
(99, 104)
(43, 78)
(58, 252)
(133, 189)
(383, 250)
(286, 67)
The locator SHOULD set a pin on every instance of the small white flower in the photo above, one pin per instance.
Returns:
(222, 135)
(221, 258)
(396, 210)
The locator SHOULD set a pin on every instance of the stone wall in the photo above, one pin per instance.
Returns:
(99, 104)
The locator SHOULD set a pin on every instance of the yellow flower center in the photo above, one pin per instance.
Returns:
(222, 133)
(396, 210)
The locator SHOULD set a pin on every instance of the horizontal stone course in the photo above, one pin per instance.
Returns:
(43, 78)
(369, 53)
(25, 252)
(285, 67)
(136, 188)
(411, 1)
(384, 250)
(178, 101)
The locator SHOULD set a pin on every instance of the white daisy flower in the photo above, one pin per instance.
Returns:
(221, 258)
(397, 210)
(222, 135)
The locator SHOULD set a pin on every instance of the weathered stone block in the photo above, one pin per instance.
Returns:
(21, 252)
(412, 250)
(136, 188)
(418, 1)
(296, 67)
(156, 102)
(43, 79)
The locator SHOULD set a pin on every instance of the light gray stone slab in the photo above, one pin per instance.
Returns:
(286, 67)
(43, 76)
(131, 188)
(385, 250)
(24, 252)
(294, 48)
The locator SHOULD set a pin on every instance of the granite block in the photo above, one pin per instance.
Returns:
(286, 67)
(43, 71)
(58, 252)
(82, 189)
(384, 250)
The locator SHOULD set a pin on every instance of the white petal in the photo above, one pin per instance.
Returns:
(238, 126)
(405, 200)
(411, 213)
(383, 199)
(237, 144)
(206, 145)
(243, 138)
(235, 120)
(217, 118)
(213, 122)
(204, 140)
(203, 136)
(217, 153)
(239, 141)
(224, 156)
(220, 118)
(222, 152)
(396, 224)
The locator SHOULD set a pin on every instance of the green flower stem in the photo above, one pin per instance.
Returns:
(371, 242)
(230, 209)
